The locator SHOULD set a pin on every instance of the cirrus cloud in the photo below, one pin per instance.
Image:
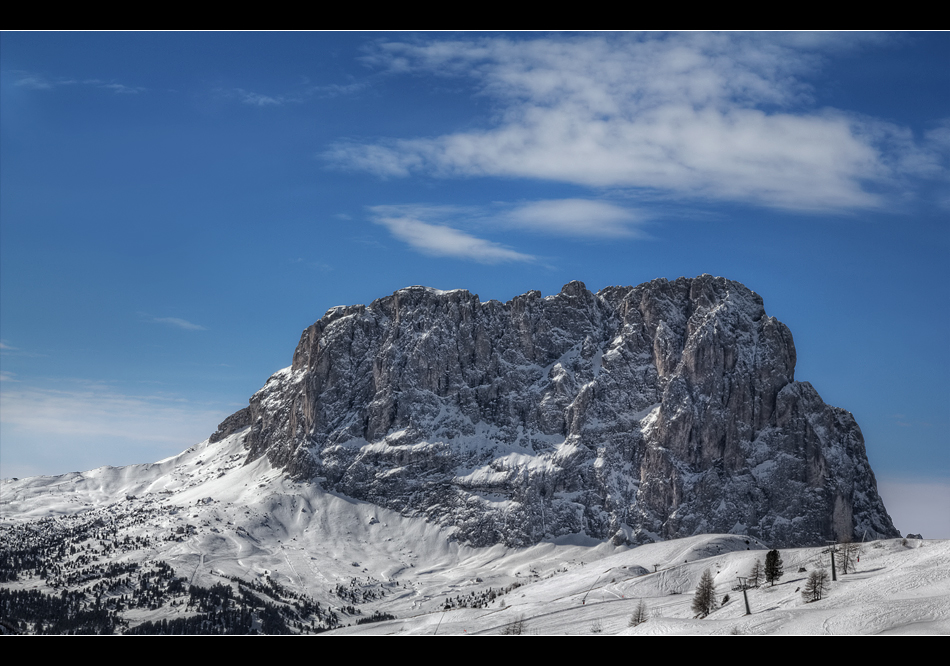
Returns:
(176, 322)
(82, 425)
(439, 240)
(724, 117)
(583, 218)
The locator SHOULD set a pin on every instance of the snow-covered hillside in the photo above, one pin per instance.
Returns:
(325, 560)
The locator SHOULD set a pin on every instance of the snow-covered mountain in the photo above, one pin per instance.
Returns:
(434, 463)
(634, 414)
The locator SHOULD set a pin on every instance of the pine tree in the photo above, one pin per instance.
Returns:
(704, 601)
(773, 567)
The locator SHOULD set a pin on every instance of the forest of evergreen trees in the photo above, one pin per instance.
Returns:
(84, 591)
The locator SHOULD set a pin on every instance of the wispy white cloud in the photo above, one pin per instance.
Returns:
(720, 116)
(319, 265)
(118, 88)
(583, 218)
(257, 99)
(440, 240)
(10, 350)
(297, 96)
(385, 159)
(336, 90)
(38, 82)
(937, 147)
(99, 410)
(176, 322)
(435, 230)
(939, 137)
(33, 82)
(48, 431)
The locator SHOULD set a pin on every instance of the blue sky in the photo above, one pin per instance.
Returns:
(175, 208)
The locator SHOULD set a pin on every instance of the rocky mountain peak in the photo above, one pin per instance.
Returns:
(636, 413)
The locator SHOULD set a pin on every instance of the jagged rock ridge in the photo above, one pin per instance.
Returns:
(637, 413)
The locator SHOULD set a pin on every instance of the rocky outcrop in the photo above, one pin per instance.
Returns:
(637, 413)
(237, 421)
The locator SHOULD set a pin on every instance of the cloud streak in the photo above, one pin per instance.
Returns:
(37, 82)
(98, 411)
(704, 115)
(580, 218)
(46, 430)
(257, 99)
(439, 240)
(301, 95)
(433, 230)
(177, 323)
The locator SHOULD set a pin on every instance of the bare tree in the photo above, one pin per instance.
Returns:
(849, 552)
(816, 586)
(639, 615)
(755, 576)
(516, 628)
(704, 601)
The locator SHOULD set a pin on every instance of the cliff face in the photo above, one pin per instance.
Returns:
(637, 413)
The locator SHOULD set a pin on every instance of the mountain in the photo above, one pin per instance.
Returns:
(635, 414)
(378, 484)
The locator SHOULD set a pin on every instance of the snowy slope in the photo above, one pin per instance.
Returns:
(216, 521)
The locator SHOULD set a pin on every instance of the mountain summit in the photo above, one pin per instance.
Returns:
(634, 414)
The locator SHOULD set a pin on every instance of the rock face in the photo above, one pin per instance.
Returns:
(637, 413)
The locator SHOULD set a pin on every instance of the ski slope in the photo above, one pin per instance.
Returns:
(215, 520)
